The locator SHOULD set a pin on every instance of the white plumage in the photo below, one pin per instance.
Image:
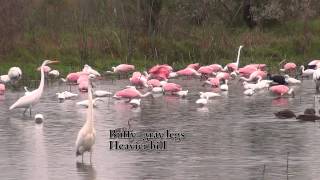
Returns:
(208, 95)
(135, 102)
(87, 134)
(101, 93)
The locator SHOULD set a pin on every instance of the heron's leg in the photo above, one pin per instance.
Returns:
(30, 110)
(25, 110)
(90, 156)
(82, 157)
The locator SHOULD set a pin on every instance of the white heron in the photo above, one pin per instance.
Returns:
(87, 134)
(182, 94)
(208, 95)
(236, 64)
(135, 102)
(5, 78)
(33, 97)
(316, 78)
(86, 102)
(202, 101)
(291, 80)
(101, 93)
(54, 73)
(306, 72)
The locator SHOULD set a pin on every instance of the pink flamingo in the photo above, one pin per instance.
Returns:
(214, 82)
(259, 66)
(194, 66)
(138, 79)
(83, 81)
(282, 90)
(171, 87)
(188, 72)
(223, 75)
(247, 70)
(289, 67)
(216, 67)
(154, 83)
(205, 70)
(160, 72)
(130, 93)
(255, 75)
(123, 68)
(2, 89)
(73, 77)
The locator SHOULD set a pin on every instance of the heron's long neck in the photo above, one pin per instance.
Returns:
(89, 121)
(238, 58)
(42, 78)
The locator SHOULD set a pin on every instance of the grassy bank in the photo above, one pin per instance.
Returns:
(103, 48)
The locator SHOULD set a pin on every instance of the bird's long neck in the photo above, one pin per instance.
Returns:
(238, 58)
(89, 122)
(42, 78)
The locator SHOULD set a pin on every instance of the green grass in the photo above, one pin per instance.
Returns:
(108, 47)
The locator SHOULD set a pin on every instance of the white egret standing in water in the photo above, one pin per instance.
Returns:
(87, 134)
(33, 97)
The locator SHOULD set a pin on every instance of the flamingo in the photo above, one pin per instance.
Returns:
(216, 67)
(194, 66)
(234, 66)
(171, 87)
(255, 75)
(214, 82)
(138, 79)
(2, 89)
(205, 70)
(188, 72)
(122, 69)
(282, 90)
(72, 77)
(160, 72)
(87, 134)
(130, 93)
(289, 67)
(153, 83)
(316, 78)
(34, 96)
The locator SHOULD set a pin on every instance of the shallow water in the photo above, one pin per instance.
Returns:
(233, 137)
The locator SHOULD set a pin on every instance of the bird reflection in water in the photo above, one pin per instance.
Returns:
(86, 171)
(280, 101)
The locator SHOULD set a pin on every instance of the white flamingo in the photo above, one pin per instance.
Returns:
(32, 98)
(87, 134)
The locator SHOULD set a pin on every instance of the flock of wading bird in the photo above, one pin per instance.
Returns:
(159, 81)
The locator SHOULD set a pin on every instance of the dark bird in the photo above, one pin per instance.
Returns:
(310, 111)
(308, 117)
(285, 114)
(277, 79)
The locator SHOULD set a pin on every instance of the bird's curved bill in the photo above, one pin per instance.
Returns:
(53, 62)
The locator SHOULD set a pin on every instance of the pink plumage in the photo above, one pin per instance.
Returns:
(194, 66)
(247, 70)
(216, 67)
(160, 72)
(187, 72)
(290, 66)
(232, 66)
(124, 68)
(154, 83)
(138, 79)
(128, 93)
(279, 89)
(73, 77)
(205, 70)
(172, 87)
(223, 75)
(2, 89)
(214, 82)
